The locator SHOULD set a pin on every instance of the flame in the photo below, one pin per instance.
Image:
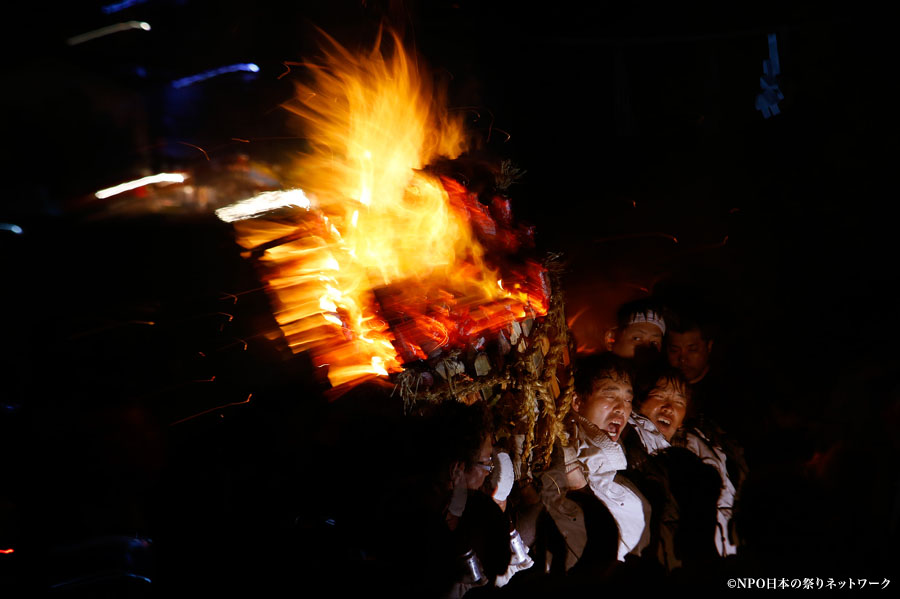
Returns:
(385, 263)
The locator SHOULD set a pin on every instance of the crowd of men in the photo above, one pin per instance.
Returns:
(647, 486)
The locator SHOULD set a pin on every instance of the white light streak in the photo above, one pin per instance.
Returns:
(160, 178)
(262, 203)
(103, 31)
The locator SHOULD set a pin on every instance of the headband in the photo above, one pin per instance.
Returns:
(651, 317)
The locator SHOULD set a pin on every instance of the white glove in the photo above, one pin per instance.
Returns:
(510, 572)
(503, 476)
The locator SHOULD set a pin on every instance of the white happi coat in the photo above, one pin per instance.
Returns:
(600, 459)
(712, 454)
(695, 441)
(652, 440)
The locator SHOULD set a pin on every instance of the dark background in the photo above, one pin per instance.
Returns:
(635, 123)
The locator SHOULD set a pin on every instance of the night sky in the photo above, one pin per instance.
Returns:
(635, 123)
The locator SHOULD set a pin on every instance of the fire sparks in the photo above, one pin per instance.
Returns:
(382, 263)
(234, 403)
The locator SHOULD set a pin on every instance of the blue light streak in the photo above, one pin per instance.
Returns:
(111, 8)
(767, 100)
(234, 68)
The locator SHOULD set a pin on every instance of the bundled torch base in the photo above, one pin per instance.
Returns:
(524, 376)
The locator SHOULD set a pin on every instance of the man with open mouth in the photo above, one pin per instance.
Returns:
(594, 458)
(665, 406)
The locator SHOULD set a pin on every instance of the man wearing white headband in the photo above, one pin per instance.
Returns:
(640, 324)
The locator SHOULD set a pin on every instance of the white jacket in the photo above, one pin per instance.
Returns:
(652, 440)
(600, 459)
(699, 444)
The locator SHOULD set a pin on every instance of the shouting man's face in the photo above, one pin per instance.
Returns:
(609, 405)
(666, 406)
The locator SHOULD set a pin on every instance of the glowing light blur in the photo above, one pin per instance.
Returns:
(104, 31)
(263, 203)
(123, 187)
(11, 227)
(116, 7)
(233, 68)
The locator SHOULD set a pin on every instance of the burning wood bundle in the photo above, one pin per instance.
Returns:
(523, 373)
(387, 265)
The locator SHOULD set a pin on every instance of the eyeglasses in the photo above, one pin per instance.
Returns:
(486, 465)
